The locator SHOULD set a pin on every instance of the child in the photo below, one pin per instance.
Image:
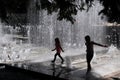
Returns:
(90, 51)
(58, 49)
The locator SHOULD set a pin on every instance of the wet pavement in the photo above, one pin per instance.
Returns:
(104, 67)
(13, 73)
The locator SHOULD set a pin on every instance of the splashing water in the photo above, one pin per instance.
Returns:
(113, 50)
(71, 36)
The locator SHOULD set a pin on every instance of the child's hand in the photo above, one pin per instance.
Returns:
(52, 50)
(105, 46)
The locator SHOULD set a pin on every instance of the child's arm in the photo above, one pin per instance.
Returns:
(61, 49)
(54, 49)
(100, 44)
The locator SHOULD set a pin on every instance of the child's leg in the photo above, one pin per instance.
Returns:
(88, 66)
(54, 57)
(61, 57)
(89, 58)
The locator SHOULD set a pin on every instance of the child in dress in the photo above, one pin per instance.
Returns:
(58, 49)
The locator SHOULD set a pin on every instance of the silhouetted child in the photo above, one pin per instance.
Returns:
(90, 51)
(58, 49)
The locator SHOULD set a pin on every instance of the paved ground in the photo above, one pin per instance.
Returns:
(104, 67)
(12, 73)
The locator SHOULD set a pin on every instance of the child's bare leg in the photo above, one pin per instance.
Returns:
(88, 67)
(54, 57)
(89, 58)
(61, 58)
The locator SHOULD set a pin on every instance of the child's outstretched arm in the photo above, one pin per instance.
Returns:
(53, 49)
(100, 44)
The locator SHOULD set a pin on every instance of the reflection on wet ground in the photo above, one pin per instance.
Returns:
(104, 65)
(14, 73)
(60, 71)
(55, 72)
(48, 71)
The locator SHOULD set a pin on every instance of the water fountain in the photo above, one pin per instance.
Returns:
(44, 28)
(47, 27)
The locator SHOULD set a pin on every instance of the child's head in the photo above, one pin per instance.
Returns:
(87, 38)
(57, 40)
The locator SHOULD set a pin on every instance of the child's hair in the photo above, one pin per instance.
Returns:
(87, 38)
(57, 40)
